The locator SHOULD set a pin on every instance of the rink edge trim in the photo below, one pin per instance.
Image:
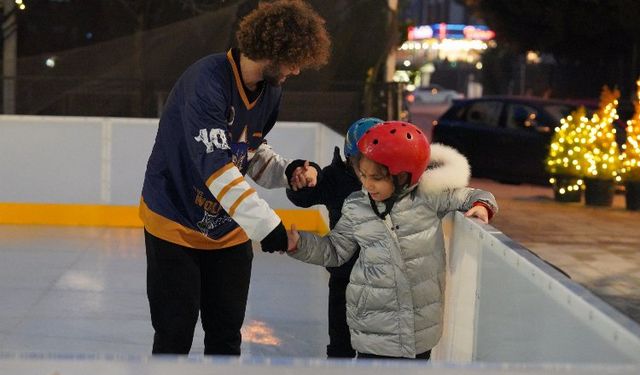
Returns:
(124, 216)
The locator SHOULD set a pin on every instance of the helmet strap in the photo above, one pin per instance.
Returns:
(388, 203)
(398, 192)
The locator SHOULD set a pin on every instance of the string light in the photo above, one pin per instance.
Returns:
(586, 147)
(631, 149)
(564, 150)
(602, 156)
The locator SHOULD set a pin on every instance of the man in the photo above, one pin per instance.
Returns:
(199, 212)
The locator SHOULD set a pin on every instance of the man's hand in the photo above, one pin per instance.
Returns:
(293, 236)
(304, 176)
(480, 212)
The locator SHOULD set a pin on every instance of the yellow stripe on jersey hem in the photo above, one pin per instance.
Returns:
(225, 189)
(242, 197)
(219, 173)
(96, 215)
(171, 231)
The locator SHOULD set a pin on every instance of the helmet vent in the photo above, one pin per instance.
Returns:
(408, 135)
(393, 131)
(375, 141)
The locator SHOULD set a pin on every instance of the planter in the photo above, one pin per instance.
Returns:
(598, 192)
(566, 189)
(632, 195)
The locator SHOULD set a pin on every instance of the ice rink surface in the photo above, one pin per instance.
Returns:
(83, 290)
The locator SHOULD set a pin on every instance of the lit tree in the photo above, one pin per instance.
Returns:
(566, 147)
(631, 149)
(602, 157)
(566, 151)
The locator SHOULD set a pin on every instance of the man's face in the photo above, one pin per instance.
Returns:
(275, 74)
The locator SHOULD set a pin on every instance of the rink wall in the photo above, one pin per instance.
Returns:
(89, 170)
(506, 305)
(503, 305)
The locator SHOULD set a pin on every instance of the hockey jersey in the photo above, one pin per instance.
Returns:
(210, 135)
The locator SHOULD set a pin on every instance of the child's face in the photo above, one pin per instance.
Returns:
(375, 179)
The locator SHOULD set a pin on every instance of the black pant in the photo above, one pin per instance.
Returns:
(339, 336)
(426, 355)
(182, 281)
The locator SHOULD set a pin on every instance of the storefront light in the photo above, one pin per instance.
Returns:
(533, 57)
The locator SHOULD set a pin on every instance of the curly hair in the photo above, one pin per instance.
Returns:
(286, 32)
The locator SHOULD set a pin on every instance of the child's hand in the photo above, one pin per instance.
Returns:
(480, 212)
(293, 237)
(304, 176)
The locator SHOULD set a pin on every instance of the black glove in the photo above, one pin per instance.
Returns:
(276, 240)
(300, 163)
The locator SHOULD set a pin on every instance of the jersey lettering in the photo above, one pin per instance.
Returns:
(215, 139)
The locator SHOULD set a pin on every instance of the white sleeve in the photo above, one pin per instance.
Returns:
(267, 168)
(242, 202)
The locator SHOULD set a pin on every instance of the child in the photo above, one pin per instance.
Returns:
(335, 183)
(395, 293)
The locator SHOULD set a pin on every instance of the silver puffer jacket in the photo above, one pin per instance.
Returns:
(396, 289)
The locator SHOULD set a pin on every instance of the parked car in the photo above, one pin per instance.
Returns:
(505, 138)
(433, 94)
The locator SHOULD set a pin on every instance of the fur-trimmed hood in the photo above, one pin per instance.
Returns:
(447, 169)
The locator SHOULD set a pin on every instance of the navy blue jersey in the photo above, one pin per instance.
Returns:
(194, 192)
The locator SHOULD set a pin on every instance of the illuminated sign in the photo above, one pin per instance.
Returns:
(478, 33)
(420, 32)
(450, 31)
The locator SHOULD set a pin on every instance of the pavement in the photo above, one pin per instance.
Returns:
(599, 247)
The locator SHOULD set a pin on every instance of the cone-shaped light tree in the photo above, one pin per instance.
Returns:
(602, 156)
(566, 151)
(631, 150)
(568, 145)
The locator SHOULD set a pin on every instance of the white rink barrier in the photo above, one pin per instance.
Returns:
(506, 310)
(505, 305)
(102, 160)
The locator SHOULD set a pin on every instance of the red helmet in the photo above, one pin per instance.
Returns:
(400, 146)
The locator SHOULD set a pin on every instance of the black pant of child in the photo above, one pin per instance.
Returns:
(339, 336)
(422, 356)
(181, 282)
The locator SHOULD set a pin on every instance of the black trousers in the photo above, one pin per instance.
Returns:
(181, 282)
(339, 336)
(422, 356)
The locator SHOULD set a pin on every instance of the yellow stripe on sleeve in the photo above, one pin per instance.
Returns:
(242, 197)
(219, 173)
(228, 187)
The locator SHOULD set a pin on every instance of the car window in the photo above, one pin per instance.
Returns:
(456, 112)
(558, 111)
(522, 116)
(484, 112)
